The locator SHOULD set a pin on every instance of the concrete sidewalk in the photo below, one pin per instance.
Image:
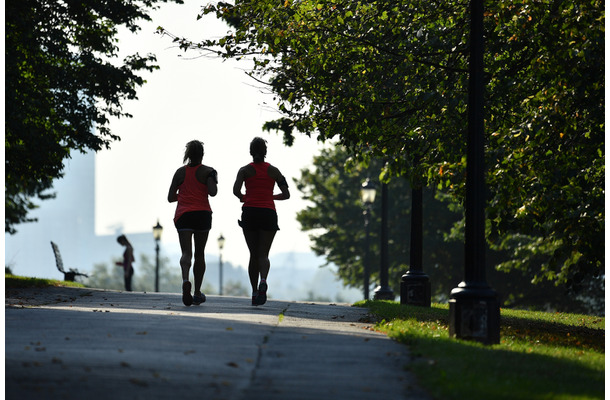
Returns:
(72, 343)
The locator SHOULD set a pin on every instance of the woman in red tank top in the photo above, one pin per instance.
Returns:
(190, 187)
(259, 218)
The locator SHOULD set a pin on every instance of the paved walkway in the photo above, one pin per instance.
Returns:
(72, 343)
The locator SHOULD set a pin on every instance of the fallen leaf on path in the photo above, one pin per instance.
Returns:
(138, 382)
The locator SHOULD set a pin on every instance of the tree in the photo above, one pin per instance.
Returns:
(170, 277)
(389, 79)
(546, 147)
(62, 87)
(104, 277)
(335, 221)
(364, 72)
(337, 224)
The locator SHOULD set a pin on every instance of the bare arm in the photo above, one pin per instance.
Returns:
(210, 179)
(239, 181)
(212, 186)
(177, 180)
(281, 183)
(285, 195)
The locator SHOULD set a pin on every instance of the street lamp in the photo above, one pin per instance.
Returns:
(221, 244)
(415, 284)
(157, 231)
(368, 192)
(367, 195)
(384, 291)
(474, 308)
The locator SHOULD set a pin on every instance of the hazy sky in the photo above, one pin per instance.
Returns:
(192, 97)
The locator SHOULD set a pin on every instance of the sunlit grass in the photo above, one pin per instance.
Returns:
(14, 281)
(540, 356)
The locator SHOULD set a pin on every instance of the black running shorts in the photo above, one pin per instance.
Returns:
(198, 221)
(258, 219)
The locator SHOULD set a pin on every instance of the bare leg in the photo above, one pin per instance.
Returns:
(201, 238)
(253, 269)
(185, 265)
(185, 238)
(264, 246)
(259, 243)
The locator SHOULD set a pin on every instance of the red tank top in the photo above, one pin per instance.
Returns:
(192, 194)
(259, 188)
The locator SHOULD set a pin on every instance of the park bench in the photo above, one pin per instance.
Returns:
(68, 275)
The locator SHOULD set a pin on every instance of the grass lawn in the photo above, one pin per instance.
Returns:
(540, 355)
(14, 281)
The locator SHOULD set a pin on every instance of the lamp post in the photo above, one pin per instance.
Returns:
(157, 231)
(415, 284)
(367, 195)
(221, 244)
(474, 309)
(383, 291)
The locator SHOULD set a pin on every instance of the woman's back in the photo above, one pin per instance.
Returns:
(259, 187)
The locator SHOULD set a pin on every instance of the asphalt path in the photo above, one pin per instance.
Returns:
(75, 343)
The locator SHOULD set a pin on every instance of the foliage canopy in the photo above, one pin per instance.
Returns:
(61, 88)
(335, 222)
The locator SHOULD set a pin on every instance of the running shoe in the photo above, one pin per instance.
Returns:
(261, 298)
(187, 299)
(254, 294)
(198, 299)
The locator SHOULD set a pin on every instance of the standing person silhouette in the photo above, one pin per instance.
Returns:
(190, 187)
(128, 259)
(259, 218)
